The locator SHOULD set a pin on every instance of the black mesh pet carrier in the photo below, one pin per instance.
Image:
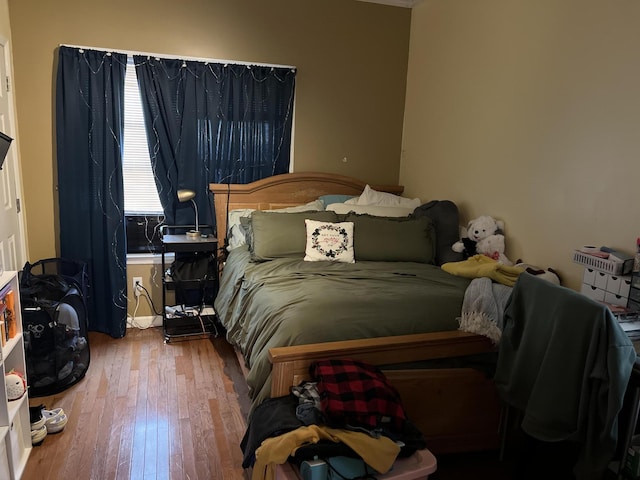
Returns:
(53, 294)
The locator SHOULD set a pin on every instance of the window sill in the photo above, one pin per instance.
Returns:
(148, 258)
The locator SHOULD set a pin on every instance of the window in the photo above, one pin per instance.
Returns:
(140, 193)
(142, 208)
(237, 120)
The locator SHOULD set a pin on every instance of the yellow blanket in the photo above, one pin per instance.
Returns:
(483, 266)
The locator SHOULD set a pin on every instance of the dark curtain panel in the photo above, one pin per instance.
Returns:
(213, 123)
(89, 128)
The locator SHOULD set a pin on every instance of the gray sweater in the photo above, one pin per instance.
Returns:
(565, 363)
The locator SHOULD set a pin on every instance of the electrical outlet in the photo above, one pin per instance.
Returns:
(137, 286)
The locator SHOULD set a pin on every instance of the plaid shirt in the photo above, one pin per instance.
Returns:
(357, 394)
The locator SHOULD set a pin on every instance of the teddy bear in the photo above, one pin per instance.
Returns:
(483, 235)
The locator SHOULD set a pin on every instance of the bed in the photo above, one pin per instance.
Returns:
(390, 307)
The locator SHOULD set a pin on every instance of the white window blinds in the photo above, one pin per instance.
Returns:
(140, 193)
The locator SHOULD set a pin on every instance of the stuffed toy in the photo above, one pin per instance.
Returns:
(483, 235)
(549, 274)
(15, 384)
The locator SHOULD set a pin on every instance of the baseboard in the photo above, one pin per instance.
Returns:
(144, 322)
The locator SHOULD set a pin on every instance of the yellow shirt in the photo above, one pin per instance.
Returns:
(378, 453)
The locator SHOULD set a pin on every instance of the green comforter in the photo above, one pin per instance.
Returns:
(292, 302)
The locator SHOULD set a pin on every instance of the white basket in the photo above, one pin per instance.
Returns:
(605, 265)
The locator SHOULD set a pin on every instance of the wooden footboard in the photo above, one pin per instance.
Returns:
(457, 409)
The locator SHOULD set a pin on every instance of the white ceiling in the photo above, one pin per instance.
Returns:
(395, 3)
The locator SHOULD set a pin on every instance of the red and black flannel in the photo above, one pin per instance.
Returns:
(358, 394)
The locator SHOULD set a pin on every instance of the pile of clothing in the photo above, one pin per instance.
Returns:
(348, 410)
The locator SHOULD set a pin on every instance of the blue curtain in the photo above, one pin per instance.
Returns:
(213, 123)
(89, 128)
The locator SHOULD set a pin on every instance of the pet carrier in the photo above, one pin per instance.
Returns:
(53, 295)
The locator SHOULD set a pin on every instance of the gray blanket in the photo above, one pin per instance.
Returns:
(483, 308)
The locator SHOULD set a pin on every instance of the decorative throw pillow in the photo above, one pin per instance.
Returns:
(327, 241)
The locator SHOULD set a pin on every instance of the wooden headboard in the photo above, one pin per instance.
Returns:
(286, 190)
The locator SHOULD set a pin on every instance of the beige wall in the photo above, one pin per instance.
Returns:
(529, 111)
(346, 52)
(351, 59)
(5, 29)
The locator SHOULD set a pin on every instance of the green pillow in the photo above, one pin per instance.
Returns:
(392, 239)
(277, 235)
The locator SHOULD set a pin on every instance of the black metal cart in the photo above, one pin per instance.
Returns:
(193, 277)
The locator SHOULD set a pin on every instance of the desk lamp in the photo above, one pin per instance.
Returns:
(185, 196)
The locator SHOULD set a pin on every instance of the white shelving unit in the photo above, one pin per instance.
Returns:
(15, 425)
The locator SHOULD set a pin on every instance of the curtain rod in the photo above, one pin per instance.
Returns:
(179, 57)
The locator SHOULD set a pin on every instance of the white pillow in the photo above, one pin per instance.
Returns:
(327, 241)
(315, 206)
(370, 196)
(375, 210)
(236, 232)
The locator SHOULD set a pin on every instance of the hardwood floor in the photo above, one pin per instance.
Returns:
(147, 410)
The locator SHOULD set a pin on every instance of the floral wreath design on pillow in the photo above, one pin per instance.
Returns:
(341, 245)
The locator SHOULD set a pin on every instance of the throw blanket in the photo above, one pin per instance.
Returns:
(482, 266)
(483, 308)
(565, 362)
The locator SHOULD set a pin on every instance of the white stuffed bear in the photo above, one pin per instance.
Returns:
(483, 235)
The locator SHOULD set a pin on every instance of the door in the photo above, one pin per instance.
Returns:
(12, 245)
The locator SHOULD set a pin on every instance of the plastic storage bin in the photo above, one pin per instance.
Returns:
(416, 467)
(603, 264)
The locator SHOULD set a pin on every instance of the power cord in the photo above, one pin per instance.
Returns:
(147, 295)
(144, 292)
(132, 318)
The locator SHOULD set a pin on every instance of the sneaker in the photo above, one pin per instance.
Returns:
(36, 418)
(55, 420)
(37, 435)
